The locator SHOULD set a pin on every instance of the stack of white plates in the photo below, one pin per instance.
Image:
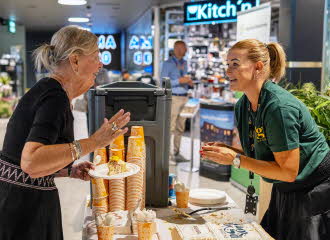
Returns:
(206, 196)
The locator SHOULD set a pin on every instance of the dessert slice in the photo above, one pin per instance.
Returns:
(116, 165)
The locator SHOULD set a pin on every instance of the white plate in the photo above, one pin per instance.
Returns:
(101, 171)
(205, 196)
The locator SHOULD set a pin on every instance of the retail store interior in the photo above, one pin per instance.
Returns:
(135, 38)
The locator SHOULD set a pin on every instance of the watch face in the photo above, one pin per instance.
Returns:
(236, 162)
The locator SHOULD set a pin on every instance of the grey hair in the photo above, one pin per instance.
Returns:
(66, 41)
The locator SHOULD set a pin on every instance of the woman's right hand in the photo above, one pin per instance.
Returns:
(106, 134)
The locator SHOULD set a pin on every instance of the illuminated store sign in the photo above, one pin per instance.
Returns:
(11, 26)
(109, 50)
(213, 11)
(140, 42)
(139, 45)
(142, 58)
(106, 42)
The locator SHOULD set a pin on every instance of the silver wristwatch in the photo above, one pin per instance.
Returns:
(237, 161)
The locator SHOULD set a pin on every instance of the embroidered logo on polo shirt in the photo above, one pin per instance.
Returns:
(260, 134)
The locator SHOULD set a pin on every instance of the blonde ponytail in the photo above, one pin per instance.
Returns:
(44, 57)
(277, 61)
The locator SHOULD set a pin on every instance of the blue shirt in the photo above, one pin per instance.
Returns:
(175, 69)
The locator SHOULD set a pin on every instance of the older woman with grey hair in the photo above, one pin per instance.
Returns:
(39, 143)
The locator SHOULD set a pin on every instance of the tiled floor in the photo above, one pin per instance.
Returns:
(73, 192)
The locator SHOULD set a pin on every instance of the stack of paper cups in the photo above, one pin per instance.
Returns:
(102, 152)
(117, 153)
(118, 143)
(135, 182)
(100, 205)
(100, 186)
(139, 131)
(117, 189)
(100, 196)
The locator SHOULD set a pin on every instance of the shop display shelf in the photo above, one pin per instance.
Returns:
(175, 22)
(179, 34)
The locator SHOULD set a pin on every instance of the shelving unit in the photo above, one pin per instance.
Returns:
(173, 24)
(207, 47)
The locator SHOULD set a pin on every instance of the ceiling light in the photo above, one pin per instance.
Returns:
(72, 2)
(78, 19)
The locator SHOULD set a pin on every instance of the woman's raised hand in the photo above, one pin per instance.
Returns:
(111, 129)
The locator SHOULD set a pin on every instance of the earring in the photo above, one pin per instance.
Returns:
(255, 75)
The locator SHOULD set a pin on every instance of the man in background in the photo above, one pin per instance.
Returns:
(175, 68)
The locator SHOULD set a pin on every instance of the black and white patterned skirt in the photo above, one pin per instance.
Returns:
(29, 208)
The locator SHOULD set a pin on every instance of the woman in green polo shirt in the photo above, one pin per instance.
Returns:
(281, 142)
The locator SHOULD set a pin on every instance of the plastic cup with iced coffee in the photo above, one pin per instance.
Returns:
(182, 195)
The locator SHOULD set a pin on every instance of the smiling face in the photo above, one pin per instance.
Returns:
(240, 70)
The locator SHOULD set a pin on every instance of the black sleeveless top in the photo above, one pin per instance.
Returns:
(42, 115)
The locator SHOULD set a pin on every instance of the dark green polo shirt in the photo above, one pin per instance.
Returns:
(282, 122)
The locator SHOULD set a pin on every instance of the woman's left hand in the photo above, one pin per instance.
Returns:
(221, 155)
(80, 170)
